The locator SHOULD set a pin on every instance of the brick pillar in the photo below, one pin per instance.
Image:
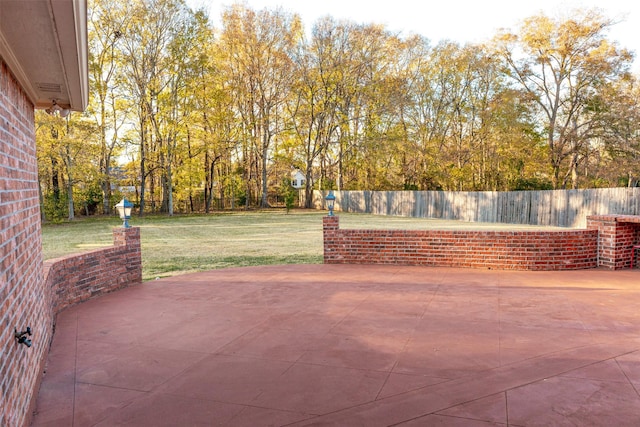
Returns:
(606, 239)
(126, 236)
(130, 237)
(330, 228)
(616, 235)
(625, 239)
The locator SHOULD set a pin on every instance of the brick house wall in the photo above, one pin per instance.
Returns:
(24, 301)
(31, 291)
(515, 250)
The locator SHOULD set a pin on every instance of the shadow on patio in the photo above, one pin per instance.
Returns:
(351, 345)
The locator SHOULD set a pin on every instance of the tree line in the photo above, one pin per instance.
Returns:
(188, 117)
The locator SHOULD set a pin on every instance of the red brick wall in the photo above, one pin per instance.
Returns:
(616, 236)
(26, 297)
(24, 301)
(77, 278)
(515, 250)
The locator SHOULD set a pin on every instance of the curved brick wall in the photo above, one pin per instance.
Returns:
(77, 278)
(516, 250)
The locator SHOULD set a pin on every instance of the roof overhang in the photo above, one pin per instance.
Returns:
(44, 43)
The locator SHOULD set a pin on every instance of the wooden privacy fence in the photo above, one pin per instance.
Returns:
(563, 208)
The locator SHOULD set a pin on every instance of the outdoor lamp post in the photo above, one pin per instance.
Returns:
(331, 200)
(124, 210)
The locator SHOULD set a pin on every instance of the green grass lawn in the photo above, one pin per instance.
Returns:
(188, 243)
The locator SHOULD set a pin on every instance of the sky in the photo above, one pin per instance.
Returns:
(462, 21)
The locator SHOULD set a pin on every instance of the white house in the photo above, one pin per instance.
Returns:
(298, 179)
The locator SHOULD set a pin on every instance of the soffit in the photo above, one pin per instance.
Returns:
(44, 43)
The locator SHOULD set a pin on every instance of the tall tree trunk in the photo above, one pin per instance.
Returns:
(208, 186)
(105, 186)
(308, 185)
(70, 201)
(264, 203)
(169, 190)
(55, 181)
(41, 197)
(68, 162)
(105, 160)
(143, 171)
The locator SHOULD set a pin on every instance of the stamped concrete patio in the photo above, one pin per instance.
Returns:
(351, 345)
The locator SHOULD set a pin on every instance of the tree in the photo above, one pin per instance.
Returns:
(108, 106)
(65, 161)
(563, 65)
(619, 143)
(258, 48)
(174, 106)
(317, 87)
(146, 41)
(214, 127)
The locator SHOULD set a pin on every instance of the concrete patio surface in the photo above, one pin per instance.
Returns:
(351, 345)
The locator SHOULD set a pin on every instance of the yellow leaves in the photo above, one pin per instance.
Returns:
(537, 33)
(563, 63)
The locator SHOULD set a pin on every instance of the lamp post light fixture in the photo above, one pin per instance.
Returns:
(331, 200)
(124, 210)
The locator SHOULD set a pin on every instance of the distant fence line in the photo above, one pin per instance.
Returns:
(563, 208)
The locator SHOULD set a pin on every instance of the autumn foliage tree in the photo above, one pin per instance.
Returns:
(565, 65)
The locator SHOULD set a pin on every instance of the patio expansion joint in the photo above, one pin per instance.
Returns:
(533, 381)
(112, 387)
(624, 372)
(75, 371)
(442, 396)
(409, 339)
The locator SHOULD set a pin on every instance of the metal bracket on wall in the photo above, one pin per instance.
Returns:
(21, 337)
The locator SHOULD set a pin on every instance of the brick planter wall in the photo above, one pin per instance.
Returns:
(77, 278)
(516, 250)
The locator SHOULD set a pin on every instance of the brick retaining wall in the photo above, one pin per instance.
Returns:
(509, 250)
(77, 278)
